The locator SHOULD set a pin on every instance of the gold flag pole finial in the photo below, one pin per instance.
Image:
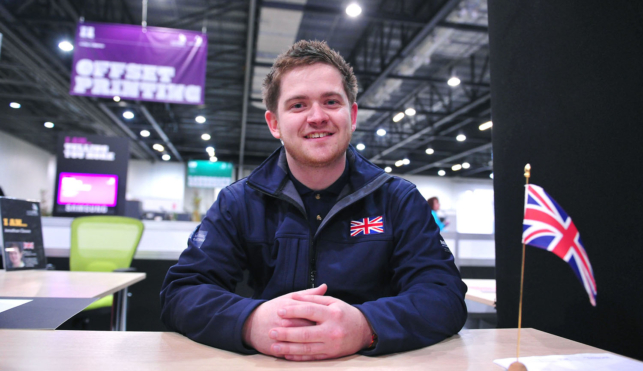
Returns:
(517, 366)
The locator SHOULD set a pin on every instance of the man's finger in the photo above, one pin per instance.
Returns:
(317, 299)
(309, 349)
(296, 322)
(312, 312)
(319, 290)
(308, 334)
(298, 358)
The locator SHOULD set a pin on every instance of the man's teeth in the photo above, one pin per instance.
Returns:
(317, 135)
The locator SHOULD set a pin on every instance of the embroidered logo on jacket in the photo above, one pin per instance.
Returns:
(367, 226)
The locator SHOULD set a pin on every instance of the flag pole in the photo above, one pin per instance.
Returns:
(517, 366)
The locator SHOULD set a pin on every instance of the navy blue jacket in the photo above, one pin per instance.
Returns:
(404, 280)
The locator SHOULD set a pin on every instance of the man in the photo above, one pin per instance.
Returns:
(14, 251)
(343, 257)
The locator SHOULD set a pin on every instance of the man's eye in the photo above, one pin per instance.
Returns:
(332, 101)
(297, 105)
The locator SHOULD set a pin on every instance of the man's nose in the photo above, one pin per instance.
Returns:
(317, 115)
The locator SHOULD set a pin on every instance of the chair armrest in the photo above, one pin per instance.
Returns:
(130, 269)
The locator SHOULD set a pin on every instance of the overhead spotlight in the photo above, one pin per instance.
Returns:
(388, 169)
(461, 138)
(456, 167)
(128, 115)
(353, 10)
(399, 163)
(485, 126)
(145, 133)
(206, 136)
(491, 175)
(410, 111)
(209, 149)
(213, 159)
(117, 99)
(453, 81)
(466, 165)
(166, 157)
(49, 124)
(158, 147)
(442, 173)
(381, 132)
(406, 161)
(429, 151)
(199, 119)
(66, 46)
(360, 146)
(399, 116)
(15, 105)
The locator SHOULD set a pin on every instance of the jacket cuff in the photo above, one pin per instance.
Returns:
(250, 306)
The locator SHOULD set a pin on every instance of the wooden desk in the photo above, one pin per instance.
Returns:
(103, 350)
(481, 291)
(65, 284)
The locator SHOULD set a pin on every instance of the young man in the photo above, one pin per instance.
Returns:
(341, 255)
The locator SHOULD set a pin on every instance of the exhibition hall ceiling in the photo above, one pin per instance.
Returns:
(422, 68)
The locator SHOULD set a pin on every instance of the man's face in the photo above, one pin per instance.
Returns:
(314, 118)
(15, 256)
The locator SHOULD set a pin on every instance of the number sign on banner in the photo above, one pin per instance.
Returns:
(139, 63)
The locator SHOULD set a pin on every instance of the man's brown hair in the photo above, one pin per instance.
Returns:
(304, 53)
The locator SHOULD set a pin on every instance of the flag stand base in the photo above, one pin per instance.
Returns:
(517, 366)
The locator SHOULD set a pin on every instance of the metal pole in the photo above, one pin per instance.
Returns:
(246, 84)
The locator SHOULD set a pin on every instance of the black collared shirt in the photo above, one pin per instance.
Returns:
(319, 203)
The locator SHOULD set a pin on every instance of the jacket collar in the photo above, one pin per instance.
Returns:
(272, 175)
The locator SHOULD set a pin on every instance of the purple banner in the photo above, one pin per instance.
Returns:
(139, 63)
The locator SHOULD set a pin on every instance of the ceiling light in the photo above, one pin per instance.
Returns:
(166, 157)
(410, 111)
(491, 175)
(442, 173)
(206, 136)
(381, 132)
(466, 165)
(49, 124)
(128, 115)
(117, 99)
(485, 126)
(209, 149)
(388, 169)
(145, 133)
(399, 163)
(15, 105)
(456, 167)
(429, 151)
(353, 10)
(213, 159)
(199, 119)
(398, 117)
(66, 46)
(453, 81)
(461, 138)
(360, 147)
(158, 147)
(406, 161)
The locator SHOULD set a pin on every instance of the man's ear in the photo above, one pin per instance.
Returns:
(271, 120)
(353, 116)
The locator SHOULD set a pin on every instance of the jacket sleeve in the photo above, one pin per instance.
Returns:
(197, 296)
(429, 305)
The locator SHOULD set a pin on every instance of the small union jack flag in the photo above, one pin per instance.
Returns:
(367, 226)
(547, 226)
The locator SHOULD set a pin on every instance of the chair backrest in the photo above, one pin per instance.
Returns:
(103, 243)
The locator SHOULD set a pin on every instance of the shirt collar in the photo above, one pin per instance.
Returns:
(333, 189)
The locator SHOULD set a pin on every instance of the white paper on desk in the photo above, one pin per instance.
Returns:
(6, 304)
(583, 361)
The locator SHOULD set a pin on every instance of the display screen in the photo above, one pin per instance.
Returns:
(87, 189)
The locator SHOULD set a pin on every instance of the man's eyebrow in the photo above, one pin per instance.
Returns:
(296, 97)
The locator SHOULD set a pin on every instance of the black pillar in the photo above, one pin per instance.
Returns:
(567, 97)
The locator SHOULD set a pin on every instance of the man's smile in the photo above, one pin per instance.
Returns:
(317, 135)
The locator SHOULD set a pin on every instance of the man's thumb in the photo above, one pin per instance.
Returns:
(319, 290)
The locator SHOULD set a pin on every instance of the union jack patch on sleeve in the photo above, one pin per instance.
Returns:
(367, 226)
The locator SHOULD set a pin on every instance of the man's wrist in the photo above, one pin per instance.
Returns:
(246, 332)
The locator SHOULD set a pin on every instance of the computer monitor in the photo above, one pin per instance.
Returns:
(87, 189)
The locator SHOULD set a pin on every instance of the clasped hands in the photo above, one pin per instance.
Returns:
(306, 325)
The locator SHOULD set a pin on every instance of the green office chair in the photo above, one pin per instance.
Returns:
(103, 244)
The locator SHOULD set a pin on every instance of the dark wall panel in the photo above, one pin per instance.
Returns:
(567, 97)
